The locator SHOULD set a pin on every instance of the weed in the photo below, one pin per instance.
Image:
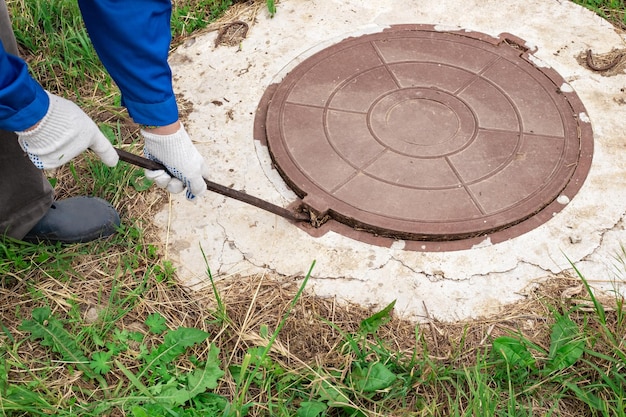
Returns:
(258, 358)
(160, 385)
(271, 7)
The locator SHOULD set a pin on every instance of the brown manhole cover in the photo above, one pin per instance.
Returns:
(441, 139)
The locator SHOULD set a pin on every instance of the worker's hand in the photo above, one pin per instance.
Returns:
(182, 160)
(63, 133)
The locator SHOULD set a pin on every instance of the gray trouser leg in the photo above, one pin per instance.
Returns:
(25, 194)
(6, 31)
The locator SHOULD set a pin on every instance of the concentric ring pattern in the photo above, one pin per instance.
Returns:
(421, 134)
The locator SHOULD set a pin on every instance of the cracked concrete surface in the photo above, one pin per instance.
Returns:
(225, 85)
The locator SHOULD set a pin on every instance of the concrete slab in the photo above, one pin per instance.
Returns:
(225, 85)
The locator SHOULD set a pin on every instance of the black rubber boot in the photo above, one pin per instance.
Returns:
(76, 220)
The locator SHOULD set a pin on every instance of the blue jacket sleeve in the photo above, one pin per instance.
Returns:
(23, 102)
(132, 39)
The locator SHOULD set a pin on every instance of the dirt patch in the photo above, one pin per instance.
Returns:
(606, 64)
(231, 34)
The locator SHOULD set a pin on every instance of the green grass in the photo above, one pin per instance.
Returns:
(189, 17)
(57, 359)
(612, 10)
(105, 329)
(58, 48)
(53, 35)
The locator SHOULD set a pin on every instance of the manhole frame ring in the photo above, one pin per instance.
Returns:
(509, 231)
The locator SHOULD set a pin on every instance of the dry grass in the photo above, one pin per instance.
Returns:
(305, 344)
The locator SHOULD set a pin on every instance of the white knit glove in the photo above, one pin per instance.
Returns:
(63, 133)
(182, 160)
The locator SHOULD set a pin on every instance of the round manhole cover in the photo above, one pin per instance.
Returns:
(438, 138)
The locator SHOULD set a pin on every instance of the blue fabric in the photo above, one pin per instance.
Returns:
(132, 39)
(23, 102)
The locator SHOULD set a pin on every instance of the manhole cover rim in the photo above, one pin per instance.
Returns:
(269, 111)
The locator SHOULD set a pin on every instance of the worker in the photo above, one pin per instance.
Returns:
(40, 130)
